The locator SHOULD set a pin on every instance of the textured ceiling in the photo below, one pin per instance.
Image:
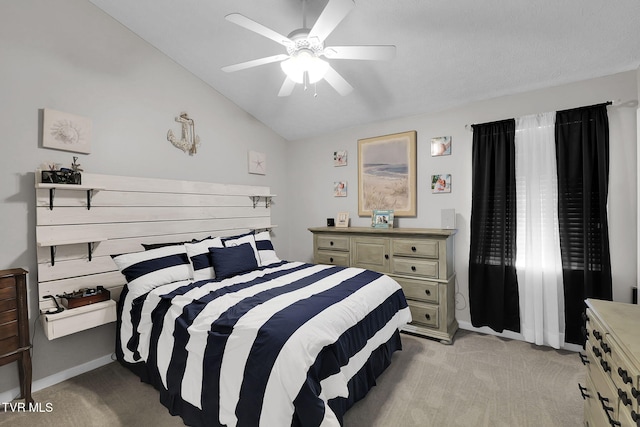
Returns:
(448, 52)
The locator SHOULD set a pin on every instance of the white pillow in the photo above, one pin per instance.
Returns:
(155, 267)
(200, 258)
(243, 238)
(265, 248)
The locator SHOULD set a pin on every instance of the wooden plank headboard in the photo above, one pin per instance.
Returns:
(79, 227)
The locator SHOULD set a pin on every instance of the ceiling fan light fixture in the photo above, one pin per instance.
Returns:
(305, 61)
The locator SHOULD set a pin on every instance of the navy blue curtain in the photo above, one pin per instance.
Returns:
(493, 286)
(582, 152)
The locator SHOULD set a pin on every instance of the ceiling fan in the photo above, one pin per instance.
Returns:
(303, 63)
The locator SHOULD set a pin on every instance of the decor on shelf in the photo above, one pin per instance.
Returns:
(340, 189)
(387, 174)
(340, 158)
(189, 141)
(342, 220)
(441, 183)
(67, 132)
(382, 218)
(441, 146)
(62, 175)
(257, 163)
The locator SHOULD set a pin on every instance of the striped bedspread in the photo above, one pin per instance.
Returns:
(287, 344)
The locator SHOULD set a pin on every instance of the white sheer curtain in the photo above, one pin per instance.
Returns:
(538, 261)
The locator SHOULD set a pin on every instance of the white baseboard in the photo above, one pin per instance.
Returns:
(510, 335)
(58, 377)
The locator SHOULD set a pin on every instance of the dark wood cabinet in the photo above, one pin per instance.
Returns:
(14, 326)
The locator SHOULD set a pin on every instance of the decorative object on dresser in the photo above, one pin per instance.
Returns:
(420, 259)
(382, 218)
(188, 141)
(342, 220)
(14, 326)
(387, 174)
(612, 388)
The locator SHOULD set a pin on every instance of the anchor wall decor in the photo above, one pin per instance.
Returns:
(189, 141)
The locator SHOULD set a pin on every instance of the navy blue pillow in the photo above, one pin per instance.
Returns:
(233, 260)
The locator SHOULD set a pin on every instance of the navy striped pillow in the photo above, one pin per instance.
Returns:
(265, 248)
(156, 267)
(201, 258)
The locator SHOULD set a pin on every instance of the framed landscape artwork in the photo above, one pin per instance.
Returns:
(387, 174)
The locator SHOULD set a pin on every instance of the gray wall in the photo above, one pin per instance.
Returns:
(69, 56)
(313, 159)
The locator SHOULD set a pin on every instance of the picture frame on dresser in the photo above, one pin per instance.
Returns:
(342, 220)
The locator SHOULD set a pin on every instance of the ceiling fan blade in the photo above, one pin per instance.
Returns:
(256, 27)
(371, 53)
(287, 87)
(338, 82)
(333, 13)
(255, 63)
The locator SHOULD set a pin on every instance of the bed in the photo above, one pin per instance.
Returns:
(226, 331)
(264, 342)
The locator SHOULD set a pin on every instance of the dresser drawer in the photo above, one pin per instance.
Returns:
(335, 243)
(420, 290)
(9, 345)
(8, 304)
(8, 329)
(415, 267)
(416, 248)
(424, 314)
(8, 316)
(332, 258)
(624, 376)
(7, 292)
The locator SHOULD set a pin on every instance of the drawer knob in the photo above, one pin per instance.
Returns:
(331, 259)
(596, 351)
(625, 376)
(427, 316)
(583, 392)
(606, 347)
(331, 243)
(605, 366)
(427, 291)
(585, 332)
(603, 402)
(597, 334)
(634, 416)
(413, 268)
(624, 398)
(386, 256)
(413, 248)
(635, 393)
(584, 316)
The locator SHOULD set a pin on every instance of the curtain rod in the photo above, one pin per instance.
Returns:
(469, 127)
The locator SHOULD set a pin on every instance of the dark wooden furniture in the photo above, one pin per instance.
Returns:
(14, 326)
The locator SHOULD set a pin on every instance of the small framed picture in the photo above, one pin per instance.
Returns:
(382, 218)
(342, 220)
(340, 158)
(441, 183)
(340, 189)
(441, 146)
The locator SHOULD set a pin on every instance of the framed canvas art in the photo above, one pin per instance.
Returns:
(387, 174)
(67, 132)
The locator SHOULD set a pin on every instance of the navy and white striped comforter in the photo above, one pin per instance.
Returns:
(279, 346)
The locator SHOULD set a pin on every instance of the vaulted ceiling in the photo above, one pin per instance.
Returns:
(448, 53)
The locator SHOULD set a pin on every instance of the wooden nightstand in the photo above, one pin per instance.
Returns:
(14, 326)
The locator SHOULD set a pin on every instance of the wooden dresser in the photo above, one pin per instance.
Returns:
(14, 326)
(420, 259)
(612, 389)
